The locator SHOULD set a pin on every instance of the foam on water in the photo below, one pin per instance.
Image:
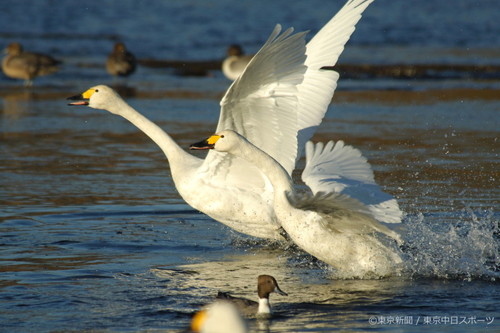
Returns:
(465, 246)
(462, 245)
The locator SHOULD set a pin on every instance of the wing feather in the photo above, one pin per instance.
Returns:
(316, 91)
(281, 97)
(341, 213)
(338, 168)
(261, 104)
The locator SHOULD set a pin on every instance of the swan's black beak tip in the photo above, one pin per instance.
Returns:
(78, 100)
(202, 145)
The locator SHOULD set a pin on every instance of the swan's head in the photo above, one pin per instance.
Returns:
(224, 141)
(221, 317)
(98, 97)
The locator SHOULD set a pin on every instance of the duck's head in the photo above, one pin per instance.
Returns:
(97, 97)
(224, 141)
(234, 50)
(267, 284)
(13, 49)
(119, 47)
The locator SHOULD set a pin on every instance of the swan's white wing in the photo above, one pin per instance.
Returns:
(270, 118)
(316, 91)
(341, 213)
(343, 169)
(262, 103)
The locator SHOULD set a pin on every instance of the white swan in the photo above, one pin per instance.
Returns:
(219, 317)
(235, 62)
(332, 227)
(277, 102)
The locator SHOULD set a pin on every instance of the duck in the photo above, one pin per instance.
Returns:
(266, 284)
(235, 62)
(332, 227)
(120, 61)
(218, 317)
(277, 102)
(19, 64)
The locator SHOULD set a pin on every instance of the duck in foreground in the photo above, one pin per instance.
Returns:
(277, 103)
(332, 227)
(18, 64)
(266, 284)
(225, 314)
(120, 61)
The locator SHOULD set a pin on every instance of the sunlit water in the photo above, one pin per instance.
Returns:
(94, 236)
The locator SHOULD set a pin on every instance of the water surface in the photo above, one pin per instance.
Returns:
(94, 236)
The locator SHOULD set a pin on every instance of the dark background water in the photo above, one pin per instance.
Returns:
(94, 237)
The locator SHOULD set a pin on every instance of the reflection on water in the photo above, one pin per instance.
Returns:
(312, 296)
(16, 104)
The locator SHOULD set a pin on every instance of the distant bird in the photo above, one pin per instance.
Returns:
(26, 66)
(235, 62)
(266, 284)
(120, 61)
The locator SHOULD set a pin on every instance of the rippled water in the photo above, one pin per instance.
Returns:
(94, 236)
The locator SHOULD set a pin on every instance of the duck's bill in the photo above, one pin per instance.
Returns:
(78, 100)
(281, 292)
(202, 145)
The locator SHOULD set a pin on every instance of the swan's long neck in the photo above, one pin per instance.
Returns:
(277, 175)
(177, 157)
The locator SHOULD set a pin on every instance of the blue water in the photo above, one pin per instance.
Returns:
(94, 236)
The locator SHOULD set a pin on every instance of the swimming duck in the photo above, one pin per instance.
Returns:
(266, 284)
(332, 227)
(120, 61)
(235, 62)
(278, 102)
(18, 64)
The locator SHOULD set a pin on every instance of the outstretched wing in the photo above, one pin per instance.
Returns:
(261, 104)
(335, 167)
(316, 90)
(282, 96)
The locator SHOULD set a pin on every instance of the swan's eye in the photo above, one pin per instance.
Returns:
(97, 90)
(222, 136)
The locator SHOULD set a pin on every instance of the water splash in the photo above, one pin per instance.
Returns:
(465, 246)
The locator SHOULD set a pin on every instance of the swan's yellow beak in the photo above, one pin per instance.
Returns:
(82, 99)
(205, 144)
(198, 320)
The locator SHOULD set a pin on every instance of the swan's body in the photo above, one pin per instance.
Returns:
(26, 66)
(235, 62)
(330, 226)
(277, 102)
(266, 284)
(120, 61)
